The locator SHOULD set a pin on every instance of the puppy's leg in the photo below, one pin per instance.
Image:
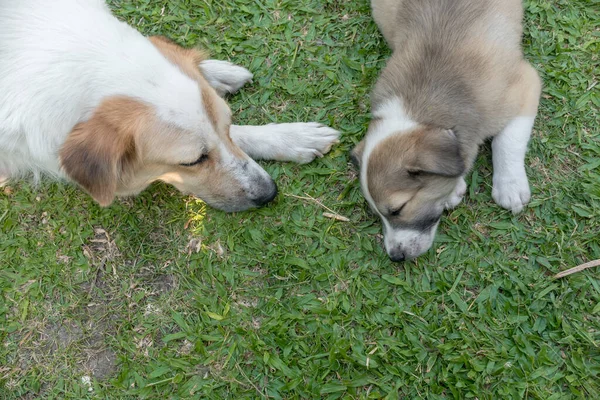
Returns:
(457, 195)
(511, 188)
(224, 76)
(299, 142)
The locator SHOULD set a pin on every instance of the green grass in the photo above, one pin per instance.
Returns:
(162, 297)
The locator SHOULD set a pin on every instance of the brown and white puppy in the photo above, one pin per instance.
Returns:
(86, 97)
(456, 77)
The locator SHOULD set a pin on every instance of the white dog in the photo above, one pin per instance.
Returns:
(86, 97)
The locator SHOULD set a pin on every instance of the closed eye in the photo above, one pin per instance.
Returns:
(397, 211)
(202, 158)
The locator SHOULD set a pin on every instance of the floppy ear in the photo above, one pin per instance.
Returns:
(357, 153)
(438, 153)
(188, 60)
(95, 155)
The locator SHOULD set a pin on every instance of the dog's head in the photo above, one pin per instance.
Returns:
(179, 136)
(406, 177)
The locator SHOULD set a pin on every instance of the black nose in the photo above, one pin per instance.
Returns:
(397, 255)
(267, 198)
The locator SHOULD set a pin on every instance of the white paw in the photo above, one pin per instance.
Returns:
(224, 76)
(305, 141)
(457, 195)
(511, 192)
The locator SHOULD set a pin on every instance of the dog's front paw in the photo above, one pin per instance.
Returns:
(224, 76)
(457, 195)
(308, 140)
(511, 192)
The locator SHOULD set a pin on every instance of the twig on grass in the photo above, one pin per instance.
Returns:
(331, 214)
(337, 217)
(578, 268)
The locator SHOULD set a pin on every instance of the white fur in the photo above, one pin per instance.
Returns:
(224, 76)
(511, 188)
(59, 60)
(299, 142)
(410, 242)
(457, 195)
(392, 119)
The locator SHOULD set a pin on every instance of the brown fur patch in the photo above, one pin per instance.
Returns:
(186, 59)
(410, 161)
(99, 151)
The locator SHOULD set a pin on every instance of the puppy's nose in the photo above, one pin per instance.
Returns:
(267, 197)
(397, 255)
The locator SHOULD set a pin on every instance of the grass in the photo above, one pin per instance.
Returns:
(161, 297)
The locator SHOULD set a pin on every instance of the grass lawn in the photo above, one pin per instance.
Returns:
(159, 296)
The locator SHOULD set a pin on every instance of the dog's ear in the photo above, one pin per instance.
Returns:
(188, 60)
(97, 153)
(438, 153)
(357, 153)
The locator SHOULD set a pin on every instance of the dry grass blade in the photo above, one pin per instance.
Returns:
(578, 268)
(330, 214)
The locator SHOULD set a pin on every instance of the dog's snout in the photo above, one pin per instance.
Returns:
(397, 255)
(266, 196)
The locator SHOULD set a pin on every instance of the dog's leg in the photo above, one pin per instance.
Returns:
(299, 142)
(457, 195)
(224, 76)
(511, 188)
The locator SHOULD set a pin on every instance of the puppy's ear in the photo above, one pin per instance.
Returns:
(97, 153)
(438, 153)
(357, 153)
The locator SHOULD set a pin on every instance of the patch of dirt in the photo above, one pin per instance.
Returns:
(164, 284)
(100, 364)
(56, 336)
(78, 343)
(87, 346)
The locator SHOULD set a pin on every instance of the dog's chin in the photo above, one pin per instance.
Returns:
(243, 204)
(230, 208)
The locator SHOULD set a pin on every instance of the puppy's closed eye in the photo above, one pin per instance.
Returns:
(397, 211)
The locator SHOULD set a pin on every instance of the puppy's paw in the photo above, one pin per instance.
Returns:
(511, 192)
(457, 195)
(305, 141)
(224, 76)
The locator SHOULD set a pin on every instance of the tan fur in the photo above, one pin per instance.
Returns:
(457, 67)
(470, 76)
(100, 151)
(425, 162)
(482, 80)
